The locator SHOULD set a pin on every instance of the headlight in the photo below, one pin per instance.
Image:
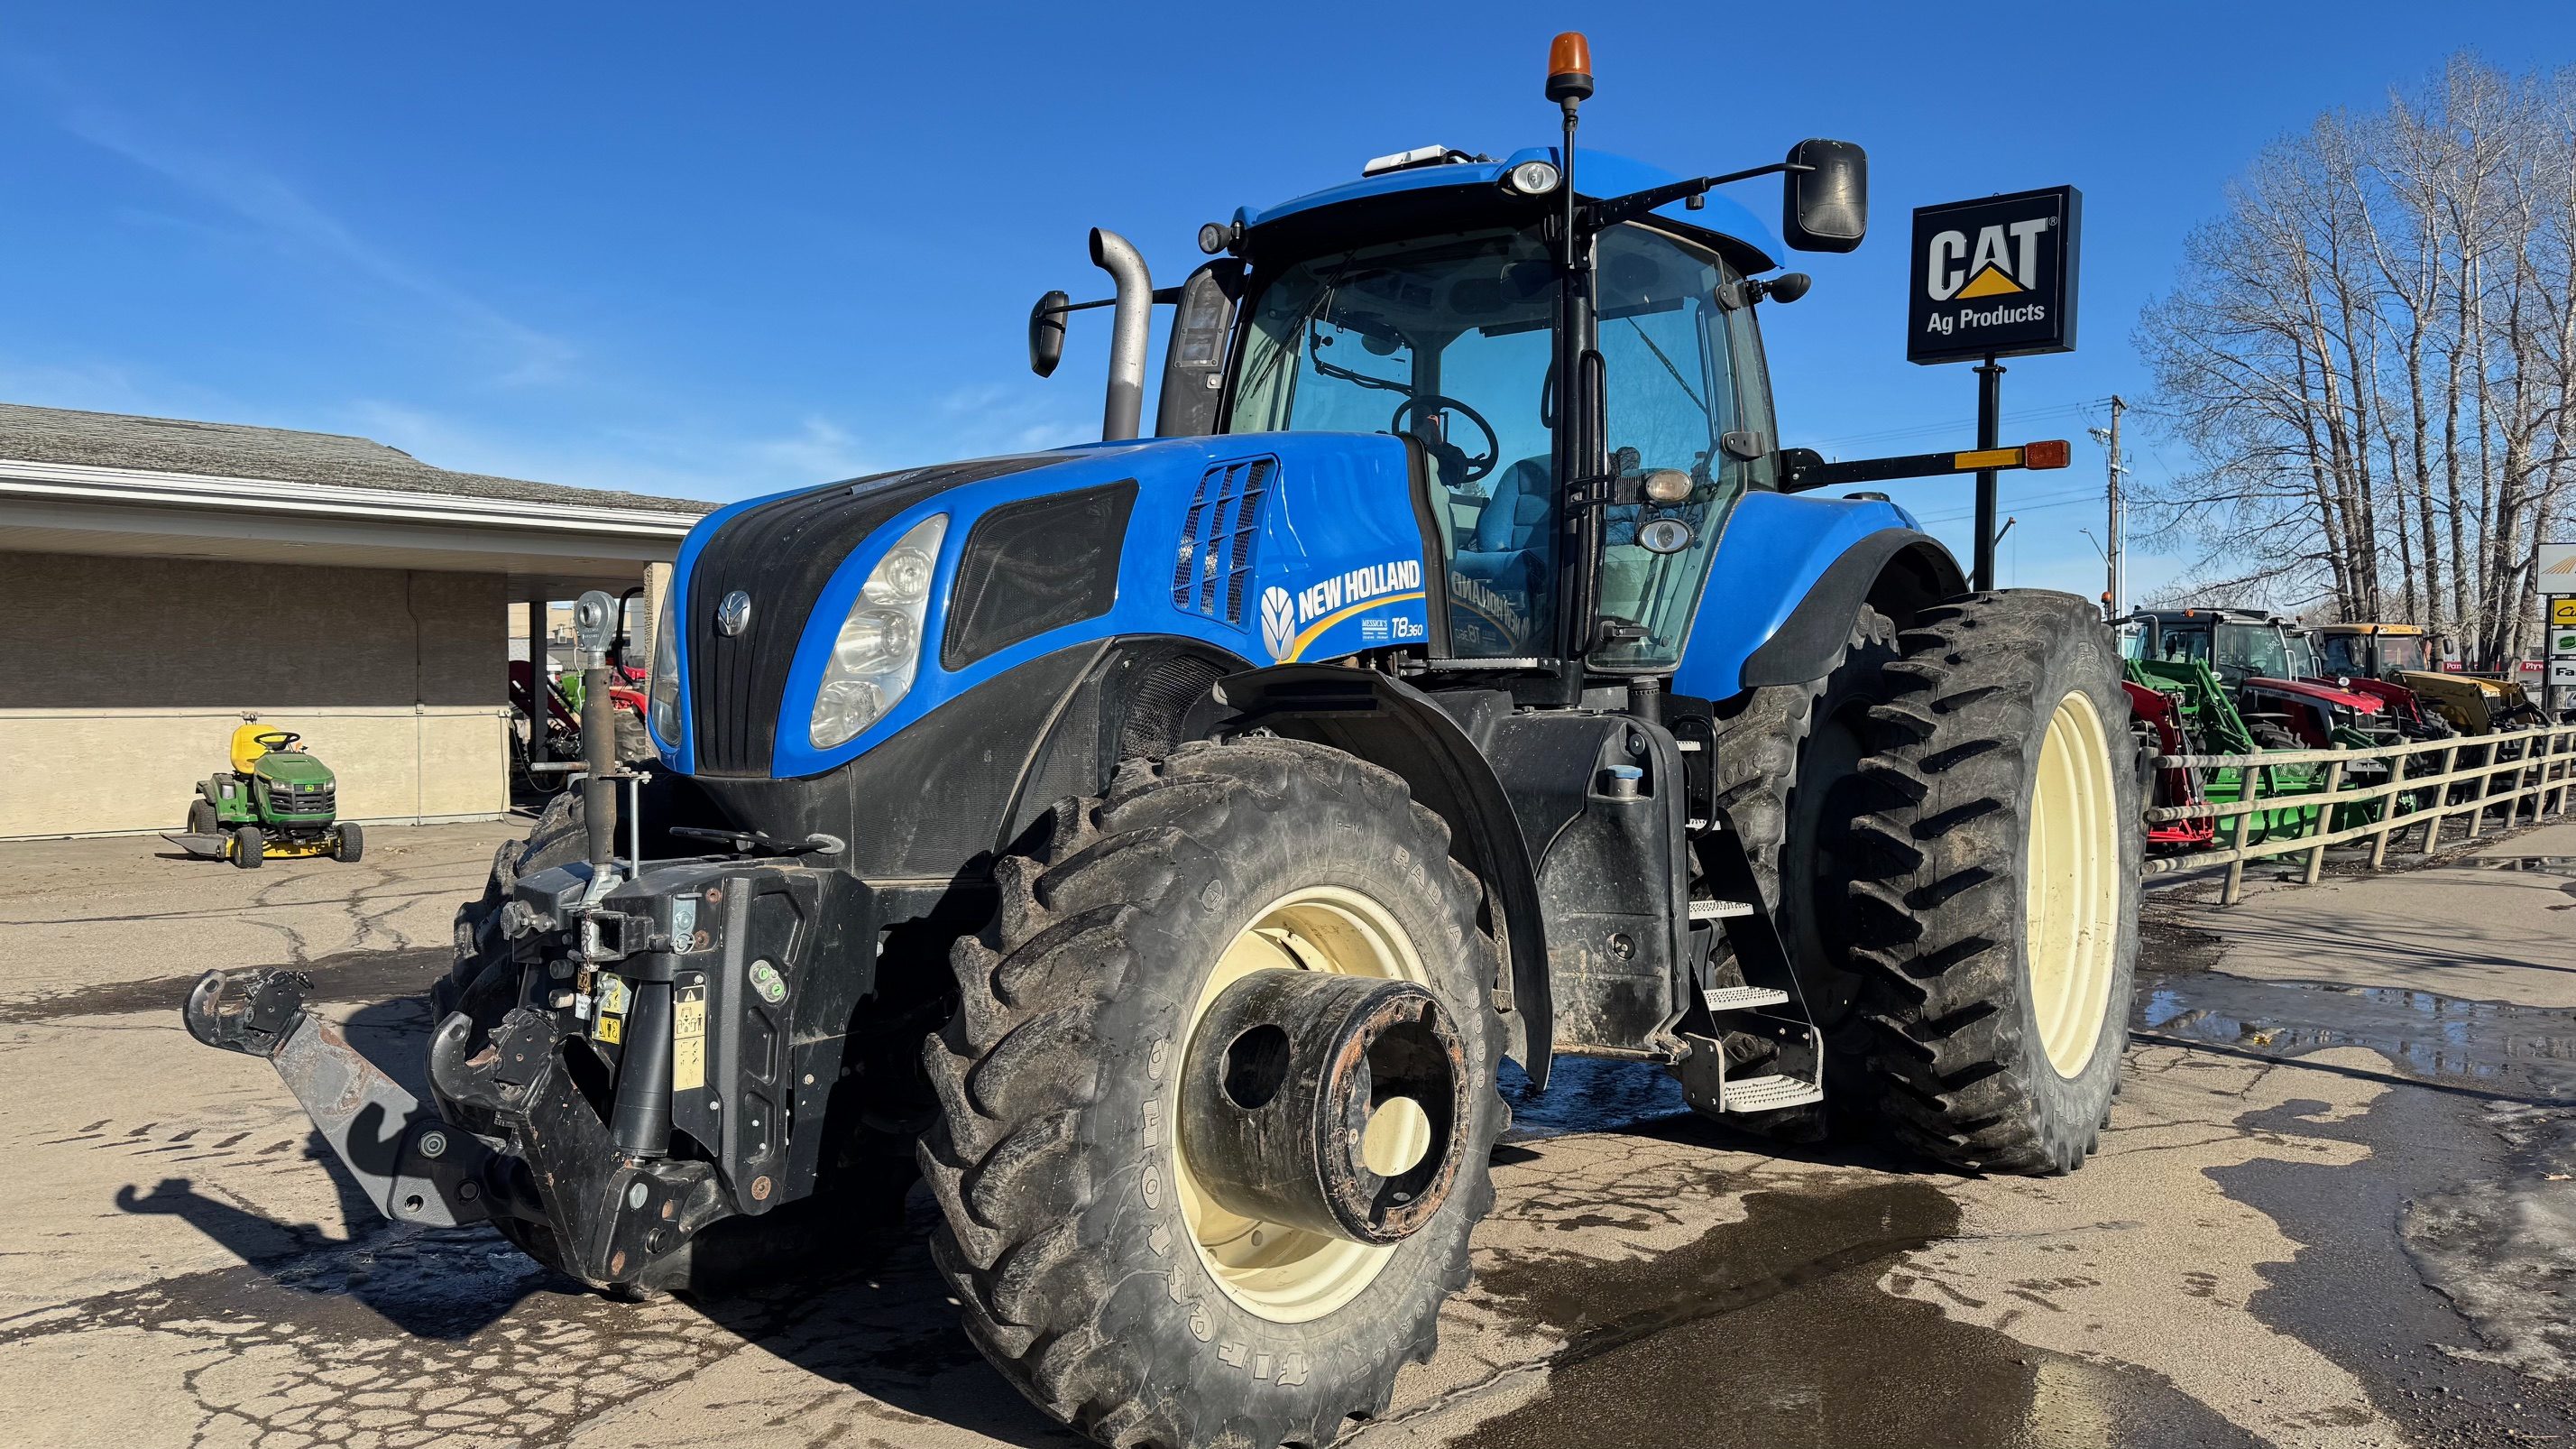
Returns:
(664, 688)
(879, 646)
(1532, 178)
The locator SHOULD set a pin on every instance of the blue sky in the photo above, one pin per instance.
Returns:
(714, 251)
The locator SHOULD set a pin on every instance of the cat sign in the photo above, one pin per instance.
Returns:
(1994, 277)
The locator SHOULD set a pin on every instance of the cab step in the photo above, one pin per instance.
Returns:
(1743, 998)
(1769, 1093)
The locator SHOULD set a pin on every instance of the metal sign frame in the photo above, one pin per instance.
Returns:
(1994, 277)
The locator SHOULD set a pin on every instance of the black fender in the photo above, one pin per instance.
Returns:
(1898, 571)
(1431, 742)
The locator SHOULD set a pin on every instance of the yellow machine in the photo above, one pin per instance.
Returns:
(2404, 654)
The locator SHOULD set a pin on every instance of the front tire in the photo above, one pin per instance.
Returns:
(1995, 900)
(249, 847)
(1094, 1269)
(348, 842)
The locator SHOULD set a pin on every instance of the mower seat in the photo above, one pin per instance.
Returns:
(246, 746)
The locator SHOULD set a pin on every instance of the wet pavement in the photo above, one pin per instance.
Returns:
(2336, 1205)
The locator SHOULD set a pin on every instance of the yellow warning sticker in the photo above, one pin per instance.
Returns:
(608, 1023)
(689, 1038)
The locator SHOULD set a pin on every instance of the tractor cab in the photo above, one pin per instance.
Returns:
(1449, 340)
(2267, 665)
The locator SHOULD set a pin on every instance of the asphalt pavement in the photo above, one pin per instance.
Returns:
(2336, 1206)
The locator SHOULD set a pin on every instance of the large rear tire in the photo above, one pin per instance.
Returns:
(1093, 1267)
(1994, 899)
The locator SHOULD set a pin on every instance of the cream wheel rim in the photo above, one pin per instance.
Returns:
(1285, 1274)
(2071, 885)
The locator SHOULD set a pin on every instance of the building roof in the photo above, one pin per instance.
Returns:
(232, 450)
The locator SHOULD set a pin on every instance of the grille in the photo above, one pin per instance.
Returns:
(302, 799)
(1214, 560)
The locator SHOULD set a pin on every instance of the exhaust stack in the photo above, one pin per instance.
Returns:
(1124, 412)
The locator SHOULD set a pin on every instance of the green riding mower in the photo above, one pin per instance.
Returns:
(277, 800)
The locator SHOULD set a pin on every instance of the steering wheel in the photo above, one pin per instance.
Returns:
(276, 739)
(1440, 402)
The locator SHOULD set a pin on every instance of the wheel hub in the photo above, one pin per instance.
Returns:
(1326, 1103)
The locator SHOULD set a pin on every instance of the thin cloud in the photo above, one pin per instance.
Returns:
(292, 221)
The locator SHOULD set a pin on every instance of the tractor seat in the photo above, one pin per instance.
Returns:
(246, 746)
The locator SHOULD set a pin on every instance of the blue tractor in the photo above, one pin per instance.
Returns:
(1159, 844)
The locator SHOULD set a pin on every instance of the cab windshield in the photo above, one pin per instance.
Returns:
(1450, 340)
(2235, 652)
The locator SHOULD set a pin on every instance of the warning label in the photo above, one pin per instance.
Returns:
(689, 1036)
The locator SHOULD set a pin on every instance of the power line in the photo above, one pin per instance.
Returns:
(1916, 430)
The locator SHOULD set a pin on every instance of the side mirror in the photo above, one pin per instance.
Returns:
(1046, 333)
(1825, 208)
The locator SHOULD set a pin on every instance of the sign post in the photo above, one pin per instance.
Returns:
(1993, 278)
(2557, 564)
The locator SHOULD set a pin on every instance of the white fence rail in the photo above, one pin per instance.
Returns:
(2524, 771)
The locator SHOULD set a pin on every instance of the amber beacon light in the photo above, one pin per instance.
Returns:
(1569, 67)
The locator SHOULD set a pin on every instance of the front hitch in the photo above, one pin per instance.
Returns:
(413, 1166)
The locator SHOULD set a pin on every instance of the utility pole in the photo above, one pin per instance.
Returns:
(2112, 602)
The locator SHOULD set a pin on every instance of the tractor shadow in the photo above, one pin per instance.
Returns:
(439, 1284)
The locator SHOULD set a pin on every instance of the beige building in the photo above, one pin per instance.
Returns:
(161, 581)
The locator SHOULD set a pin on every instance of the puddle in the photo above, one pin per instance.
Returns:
(2531, 864)
(1589, 1094)
(1772, 1331)
(2542, 864)
(2522, 1051)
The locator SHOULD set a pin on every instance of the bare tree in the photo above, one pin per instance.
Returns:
(2370, 357)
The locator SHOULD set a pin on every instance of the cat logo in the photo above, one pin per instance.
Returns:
(1994, 277)
(2004, 252)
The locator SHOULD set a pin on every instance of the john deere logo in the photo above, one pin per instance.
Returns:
(1278, 621)
(734, 614)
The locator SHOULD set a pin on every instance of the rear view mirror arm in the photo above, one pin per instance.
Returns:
(1602, 215)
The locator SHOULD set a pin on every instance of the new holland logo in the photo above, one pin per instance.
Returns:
(1278, 621)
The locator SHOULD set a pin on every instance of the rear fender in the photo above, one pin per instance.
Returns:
(1431, 742)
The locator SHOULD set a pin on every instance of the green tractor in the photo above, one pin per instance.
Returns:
(277, 800)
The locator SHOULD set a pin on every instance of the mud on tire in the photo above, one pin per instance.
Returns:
(1063, 1233)
(1957, 1034)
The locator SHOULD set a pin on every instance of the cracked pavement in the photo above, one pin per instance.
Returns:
(2336, 1206)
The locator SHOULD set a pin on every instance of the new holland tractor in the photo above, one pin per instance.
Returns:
(1161, 843)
